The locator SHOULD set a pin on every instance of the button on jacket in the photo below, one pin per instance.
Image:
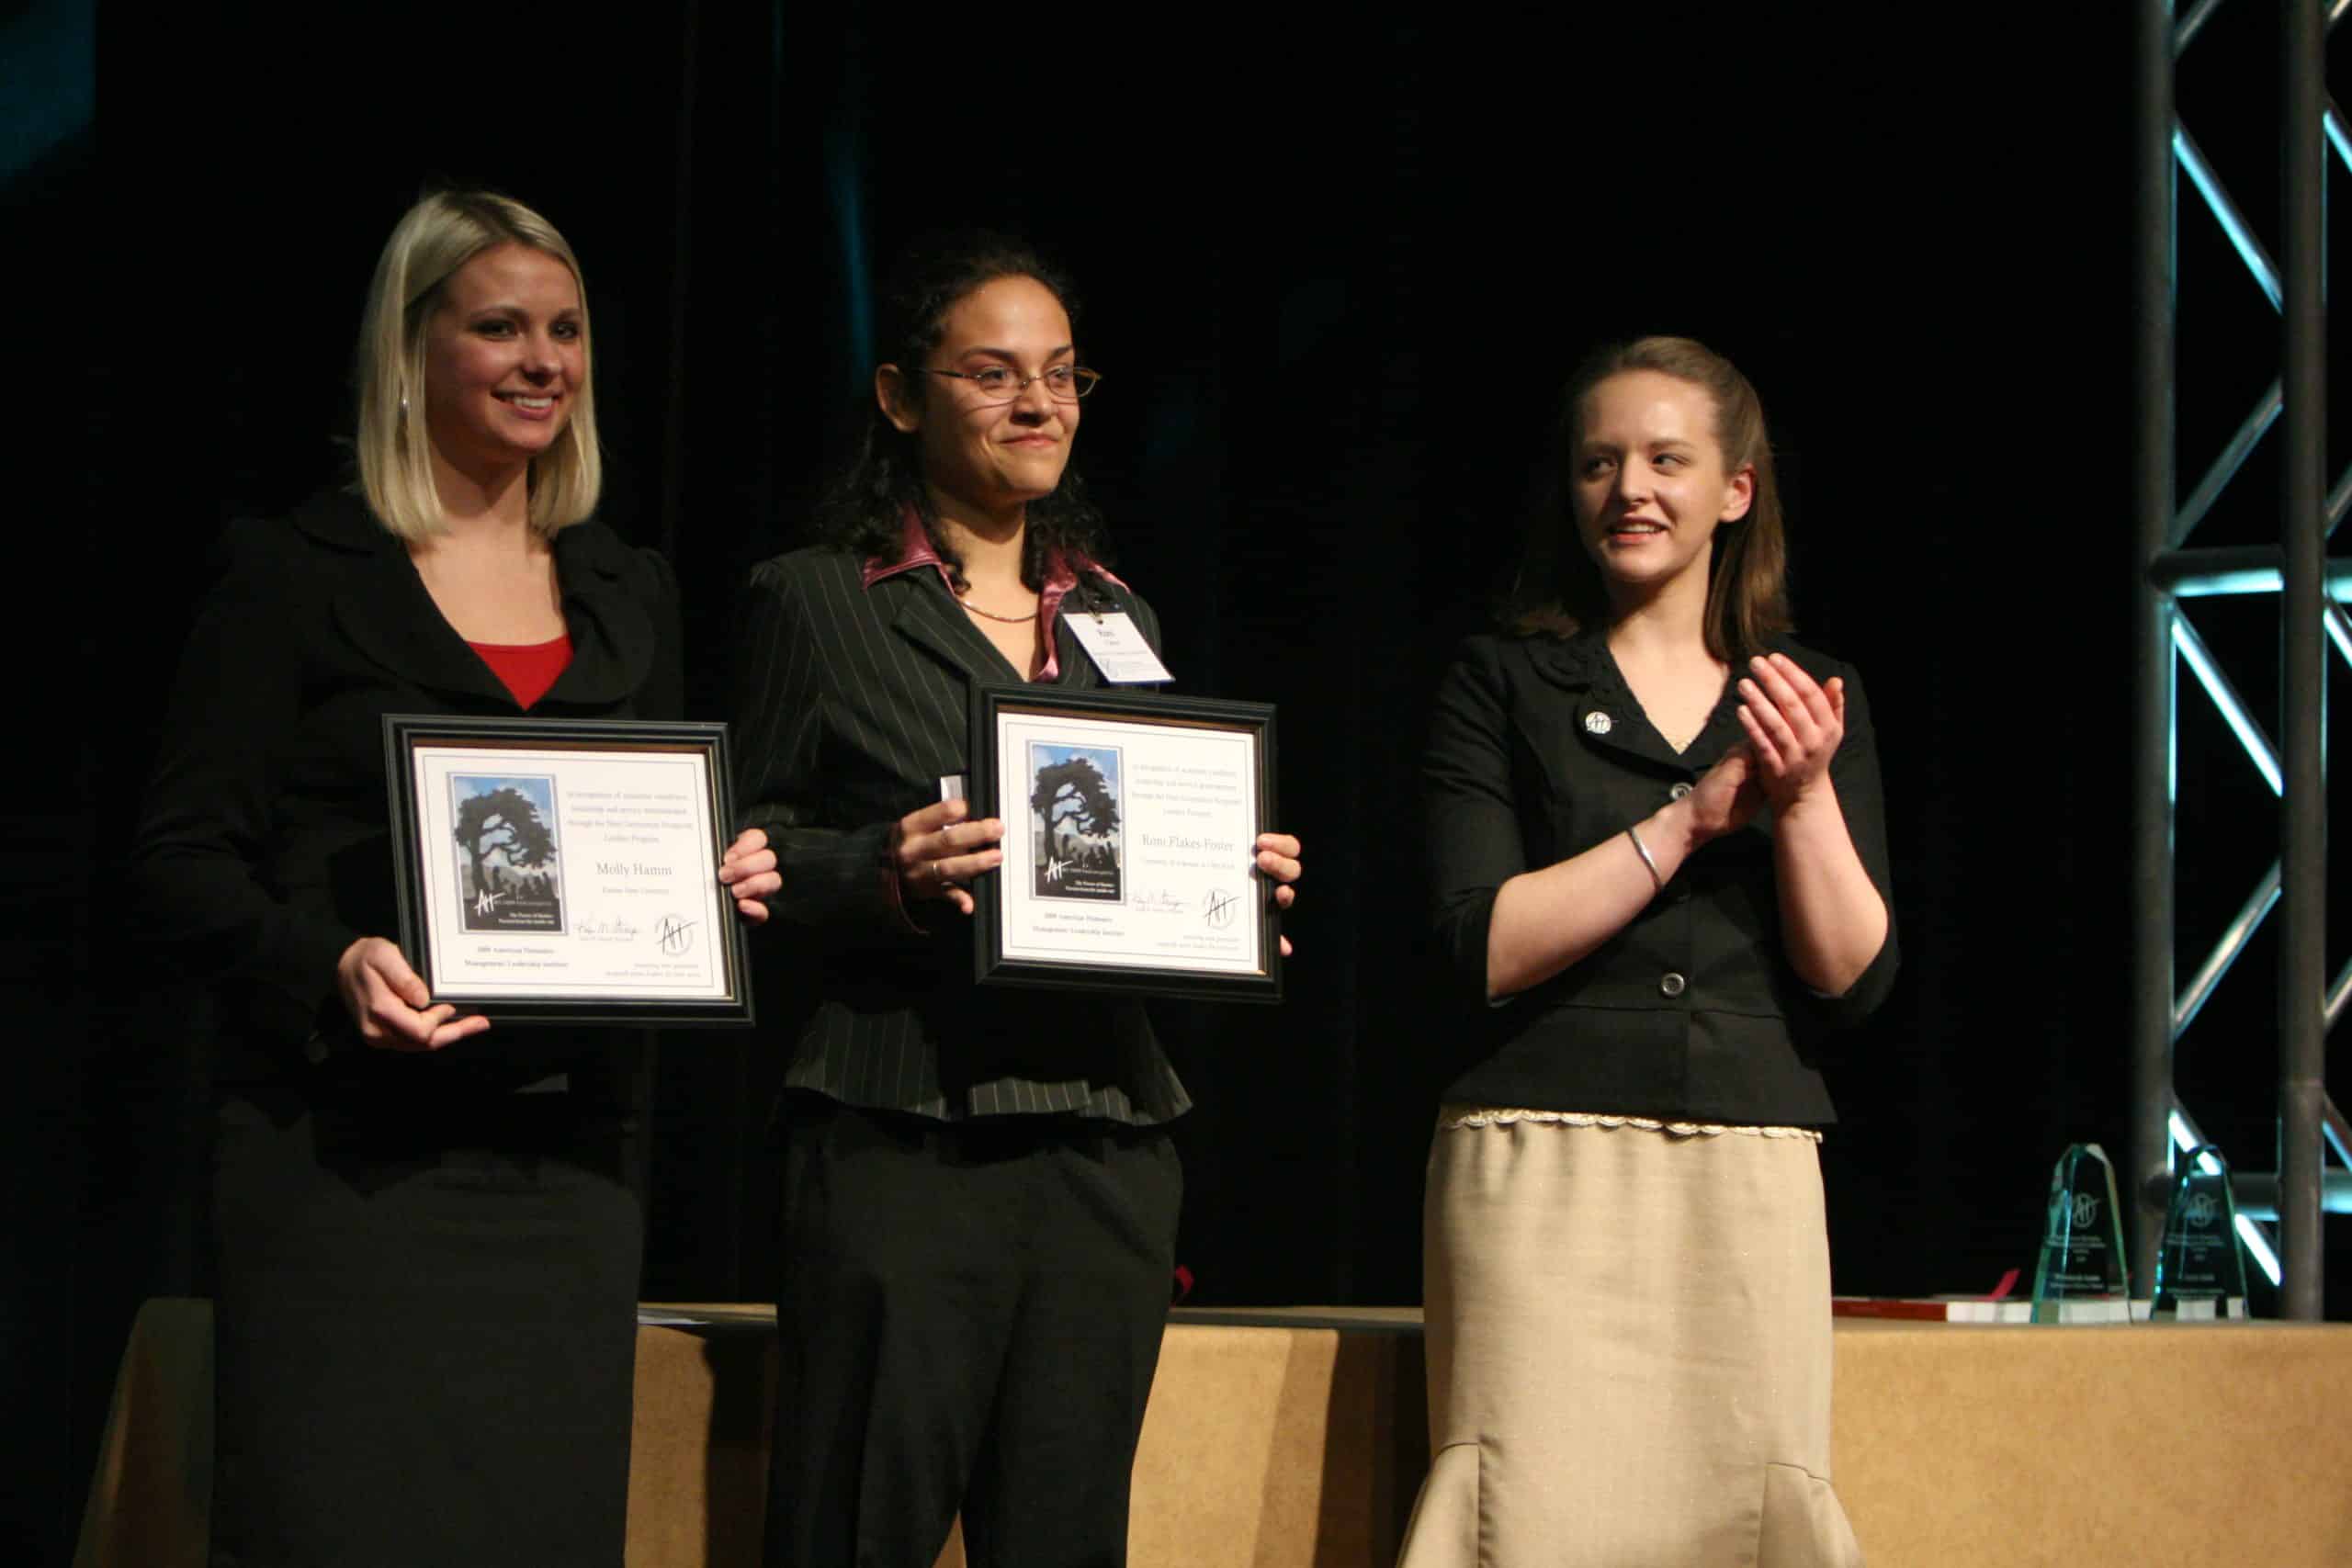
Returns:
(1537, 752)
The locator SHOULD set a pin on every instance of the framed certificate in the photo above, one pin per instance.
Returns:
(1131, 822)
(561, 870)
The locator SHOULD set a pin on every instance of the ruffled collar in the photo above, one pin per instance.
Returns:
(1579, 664)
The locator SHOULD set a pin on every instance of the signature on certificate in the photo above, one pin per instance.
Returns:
(676, 934)
(615, 927)
(1157, 902)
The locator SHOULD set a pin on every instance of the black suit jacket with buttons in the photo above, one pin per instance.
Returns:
(853, 704)
(1538, 752)
(264, 849)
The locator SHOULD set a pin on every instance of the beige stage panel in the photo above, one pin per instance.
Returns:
(1294, 1438)
(2095, 1445)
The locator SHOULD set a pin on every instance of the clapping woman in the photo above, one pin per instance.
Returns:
(1660, 873)
(980, 1194)
(427, 1257)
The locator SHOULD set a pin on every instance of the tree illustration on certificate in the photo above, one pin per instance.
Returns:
(509, 874)
(1074, 822)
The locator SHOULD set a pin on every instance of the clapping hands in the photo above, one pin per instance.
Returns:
(1795, 726)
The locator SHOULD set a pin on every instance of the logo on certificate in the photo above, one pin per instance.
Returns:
(1076, 849)
(509, 876)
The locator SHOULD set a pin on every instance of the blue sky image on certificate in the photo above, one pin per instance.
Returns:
(536, 788)
(1044, 755)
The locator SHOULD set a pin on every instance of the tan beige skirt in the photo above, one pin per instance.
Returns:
(1629, 1350)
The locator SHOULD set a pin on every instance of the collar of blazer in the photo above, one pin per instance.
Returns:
(1577, 663)
(381, 606)
(919, 607)
(1609, 717)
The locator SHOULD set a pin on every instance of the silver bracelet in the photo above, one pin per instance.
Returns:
(1643, 849)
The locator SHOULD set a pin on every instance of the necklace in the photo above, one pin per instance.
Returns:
(993, 615)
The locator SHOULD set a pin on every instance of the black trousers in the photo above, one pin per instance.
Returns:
(425, 1333)
(970, 1316)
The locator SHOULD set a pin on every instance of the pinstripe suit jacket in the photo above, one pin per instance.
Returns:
(852, 702)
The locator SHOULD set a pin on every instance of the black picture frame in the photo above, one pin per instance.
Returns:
(497, 736)
(1158, 711)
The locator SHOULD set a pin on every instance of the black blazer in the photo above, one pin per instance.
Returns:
(1538, 752)
(264, 850)
(853, 704)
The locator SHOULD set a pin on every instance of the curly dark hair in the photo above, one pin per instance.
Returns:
(861, 511)
(1559, 591)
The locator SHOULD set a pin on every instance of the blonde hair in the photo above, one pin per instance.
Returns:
(432, 240)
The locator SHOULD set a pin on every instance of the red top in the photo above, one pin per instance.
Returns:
(529, 670)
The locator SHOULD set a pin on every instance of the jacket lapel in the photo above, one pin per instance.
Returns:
(918, 608)
(611, 636)
(1607, 717)
(382, 606)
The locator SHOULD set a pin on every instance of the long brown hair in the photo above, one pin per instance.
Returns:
(1559, 588)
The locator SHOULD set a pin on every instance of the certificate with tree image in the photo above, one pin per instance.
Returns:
(1074, 821)
(1131, 826)
(561, 870)
(509, 876)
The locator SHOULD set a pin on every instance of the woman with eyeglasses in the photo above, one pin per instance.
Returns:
(426, 1251)
(1658, 857)
(979, 1195)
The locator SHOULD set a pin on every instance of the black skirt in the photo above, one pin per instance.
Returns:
(425, 1331)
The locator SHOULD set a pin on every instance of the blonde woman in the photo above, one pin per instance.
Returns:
(427, 1258)
(1659, 863)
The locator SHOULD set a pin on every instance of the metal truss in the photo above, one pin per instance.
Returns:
(2311, 586)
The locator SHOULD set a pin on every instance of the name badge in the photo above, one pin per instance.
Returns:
(1117, 648)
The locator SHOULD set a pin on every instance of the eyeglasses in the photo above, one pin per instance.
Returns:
(1001, 384)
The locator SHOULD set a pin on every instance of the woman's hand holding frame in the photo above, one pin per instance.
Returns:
(936, 850)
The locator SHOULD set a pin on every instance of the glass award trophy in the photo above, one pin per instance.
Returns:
(2080, 1278)
(2201, 1273)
